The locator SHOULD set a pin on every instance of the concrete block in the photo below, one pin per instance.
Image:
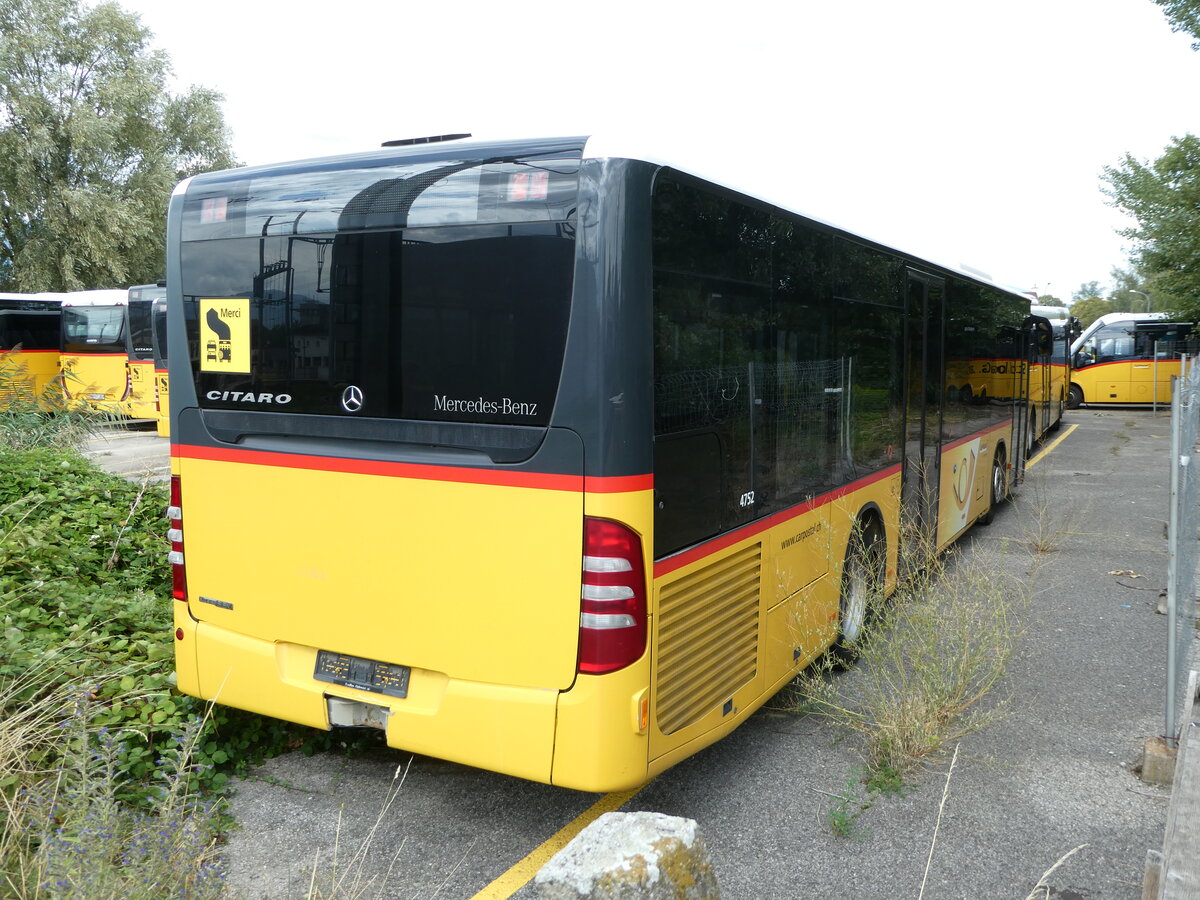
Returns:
(631, 856)
(1158, 762)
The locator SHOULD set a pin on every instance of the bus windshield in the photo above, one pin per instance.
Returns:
(94, 329)
(436, 293)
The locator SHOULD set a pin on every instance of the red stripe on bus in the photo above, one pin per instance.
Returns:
(958, 442)
(617, 484)
(1141, 360)
(539, 480)
(84, 353)
(724, 541)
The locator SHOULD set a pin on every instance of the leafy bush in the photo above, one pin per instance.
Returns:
(85, 596)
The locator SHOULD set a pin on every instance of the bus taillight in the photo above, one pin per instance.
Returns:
(175, 536)
(612, 619)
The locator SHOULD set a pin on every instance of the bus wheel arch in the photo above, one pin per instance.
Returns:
(1074, 396)
(864, 570)
(999, 487)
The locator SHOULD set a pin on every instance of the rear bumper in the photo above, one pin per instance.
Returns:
(503, 729)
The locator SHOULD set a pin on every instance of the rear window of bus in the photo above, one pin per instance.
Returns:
(437, 292)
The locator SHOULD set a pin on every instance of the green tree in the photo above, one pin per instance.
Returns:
(1163, 197)
(91, 145)
(1089, 309)
(1086, 291)
(1184, 15)
(1049, 300)
(1130, 291)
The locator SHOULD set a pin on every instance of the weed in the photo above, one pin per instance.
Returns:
(936, 648)
(886, 780)
(1043, 522)
(342, 879)
(850, 803)
(843, 815)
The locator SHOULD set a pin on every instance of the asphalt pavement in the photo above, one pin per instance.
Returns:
(1046, 794)
(134, 451)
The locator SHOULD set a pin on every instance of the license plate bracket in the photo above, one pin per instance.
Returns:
(363, 674)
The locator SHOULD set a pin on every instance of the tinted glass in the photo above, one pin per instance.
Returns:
(767, 390)
(462, 322)
(94, 329)
(141, 338)
(159, 316)
(421, 195)
(31, 329)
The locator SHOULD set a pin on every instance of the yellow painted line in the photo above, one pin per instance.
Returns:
(522, 873)
(1046, 450)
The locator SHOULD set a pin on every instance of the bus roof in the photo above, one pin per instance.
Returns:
(95, 298)
(688, 157)
(1112, 319)
(30, 298)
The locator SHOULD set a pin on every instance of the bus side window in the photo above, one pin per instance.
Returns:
(1114, 343)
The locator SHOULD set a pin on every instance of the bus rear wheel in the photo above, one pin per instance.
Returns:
(999, 486)
(862, 587)
(1075, 397)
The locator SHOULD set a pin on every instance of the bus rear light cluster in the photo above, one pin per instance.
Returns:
(175, 536)
(613, 608)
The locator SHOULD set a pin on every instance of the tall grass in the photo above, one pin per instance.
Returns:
(926, 664)
(67, 833)
(28, 421)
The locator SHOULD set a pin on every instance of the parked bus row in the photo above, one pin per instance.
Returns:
(98, 350)
(555, 457)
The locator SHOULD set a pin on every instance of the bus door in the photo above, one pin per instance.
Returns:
(924, 366)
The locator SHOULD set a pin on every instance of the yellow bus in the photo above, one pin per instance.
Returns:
(548, 457)
(162, 381)
(1049, 367)
(1128, 358)
(29, 355)
(142, 400)
(95, 350)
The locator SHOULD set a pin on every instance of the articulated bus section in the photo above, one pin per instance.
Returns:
(547, 458)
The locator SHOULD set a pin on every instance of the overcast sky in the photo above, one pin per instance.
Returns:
(968, 131)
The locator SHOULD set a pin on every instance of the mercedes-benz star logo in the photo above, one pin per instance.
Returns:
(352, 398)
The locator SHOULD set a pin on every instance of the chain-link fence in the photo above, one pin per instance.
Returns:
(1183, 535)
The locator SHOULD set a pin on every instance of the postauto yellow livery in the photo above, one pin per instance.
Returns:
(29, 356)
(546, 457)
